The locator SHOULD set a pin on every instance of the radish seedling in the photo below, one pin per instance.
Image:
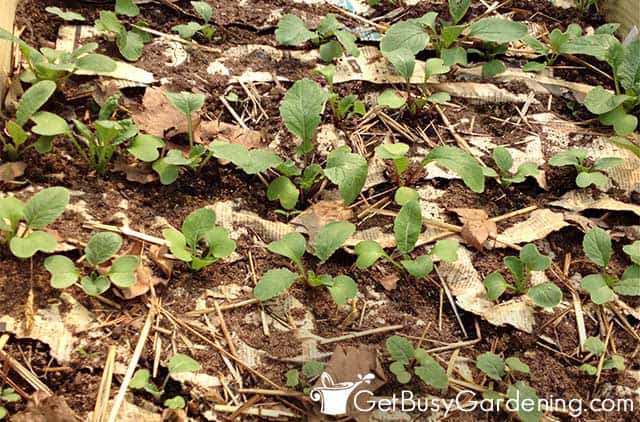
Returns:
(406, 228)
(596, 347)
(546, 295)
(587, 174)
(188, 30)
(100, 249)
(342, 108)
(328, 240)
(405, 357)
(22, 224)
(292, 31)
(304, 378)
(601, 287)
(58, 65)
(7, 395)
(201, 242)
(130, 43)
(503, 160)
(300, 109)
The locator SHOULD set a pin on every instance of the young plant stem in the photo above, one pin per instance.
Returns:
(394, 262)
(190, 130)
(75, 143)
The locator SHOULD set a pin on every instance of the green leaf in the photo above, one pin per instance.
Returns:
(595, 178)
(343, 288)
(101, 247)
(330, 238)
(292, 31)
(109, 22)
(493, 68)
(182, 363)
(629, 71)
(623, 124)
(391, 151)
(176, 402)
(347, 170)
(629, 284)
(599, 101)
(533, 259)
(492, 365)
(67, 16)
(300, 109)
(431, 373)
(3, 412)
(398, 369)
(283, 189)
(203, 9)
(599, 291)
(400, 349)
(123, 269)
(328, 25)
(616, 362)
(95, 286)
(292, 376)
(405, 194)
(594, 345)
(32, 99)
(607, 162)
(588, 369)
(517, 365)
(446, 249)
(98, 63)
(312, 369)
(573, 157)
(250, 161)
(454, 55)
(461, 163)
(127, 8)
(595, 45)
(633, 250)
(498, 30)
(45, 207)
(63, 271)
(439, 97)
(368, 251)
(187, 30)
(403, 61)
(457, 9)
(527, 401)
(597, 246)
(330, 51)
(145, 147)
(419, 267)
(185, 102)
(219, 243)
(435, 66)
(27, 246)
(168, 172)
(130, 45)
(140, 378)
(11, 213)
(348, 41)
(495, 285)
(533, 67)
(177, 244)
(49, 124)
(546, 295)
(407, 226)
(274, 282)
(515, 266)
(407, 34)
(389, 98)
(197, 224)
(626, 144)
(16, 133)
(291, 246)
(503, 159)
(153, 390)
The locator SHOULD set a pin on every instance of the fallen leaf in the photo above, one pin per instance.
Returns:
(346, 364)
(45, 408)
(174, 415)
(158, 117)
(390, 281)
(217, 130)
(138, 172)
(477, 227)
(318, 215)
(156, 254)
(12, 170)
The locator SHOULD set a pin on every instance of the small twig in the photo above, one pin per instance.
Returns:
(264, 392)
(361, 334)
(452, 302)
(225, 331)
(102, 399)
(233, 112)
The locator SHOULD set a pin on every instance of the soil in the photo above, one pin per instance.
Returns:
(420, 306)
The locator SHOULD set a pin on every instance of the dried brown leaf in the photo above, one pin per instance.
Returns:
(477, 227)
(11, 171)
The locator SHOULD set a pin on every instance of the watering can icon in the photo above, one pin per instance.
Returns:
(334, 397)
